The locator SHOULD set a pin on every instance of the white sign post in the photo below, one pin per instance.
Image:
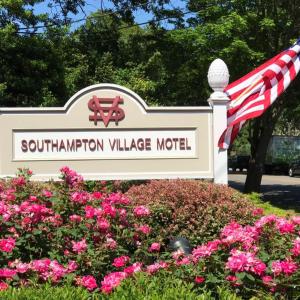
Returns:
(218, 77)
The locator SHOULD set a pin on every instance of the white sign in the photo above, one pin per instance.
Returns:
(104, 144)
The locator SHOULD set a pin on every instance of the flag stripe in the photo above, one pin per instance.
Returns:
(251, 95)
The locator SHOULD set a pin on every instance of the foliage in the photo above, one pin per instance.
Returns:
(48, 292)
(163, 286)
(78, 233)
(194, 209)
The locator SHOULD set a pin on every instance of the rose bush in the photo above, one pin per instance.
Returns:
(69, 232)
(52, 231)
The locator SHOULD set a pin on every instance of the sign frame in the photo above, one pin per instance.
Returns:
(138, 116)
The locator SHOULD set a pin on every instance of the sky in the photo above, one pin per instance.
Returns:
(94, 5)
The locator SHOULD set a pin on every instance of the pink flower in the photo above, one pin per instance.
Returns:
(233, 279)
(268, 280)
(121, 261)
(89, 212)
(75, 218)
(296, 220)
(111, 281)
(80, 246)
(97, 195)
(109, 210)
(276, 267)
(235, 233)
(155, 247)
(136, 267)
(288, 267)
(144, 229)
(80, 197)
(88, 282)
(111, 243)
(58, 270)
(117, 198)
(199, 279)
(7, 273)
(7, 245)
(19, 181)
(257, 212)
(41, 265)
(71, 177)
(22, 267)
(177, 254)
(141, 211)
(72, 266)
(151, 269)
(258, 267)
(206, 250)
(265, 220)
(184, 261)
(296, 248)
(47, 194)
(3, 286)
(240, 261)
(103, 224)
(284, 226)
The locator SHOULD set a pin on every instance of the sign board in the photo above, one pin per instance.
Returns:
(106, 131)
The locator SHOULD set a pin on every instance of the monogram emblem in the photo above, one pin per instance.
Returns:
(106, 113)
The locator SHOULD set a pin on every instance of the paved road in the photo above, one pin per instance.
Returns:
(281, 191)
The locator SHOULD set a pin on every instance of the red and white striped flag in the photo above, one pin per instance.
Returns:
(251, 95)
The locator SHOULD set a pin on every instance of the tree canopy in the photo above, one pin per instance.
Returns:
(44, 60)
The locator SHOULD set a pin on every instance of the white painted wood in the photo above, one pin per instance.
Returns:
(218, 78)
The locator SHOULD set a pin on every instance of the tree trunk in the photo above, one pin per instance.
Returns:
(256, 165)
(260, 137)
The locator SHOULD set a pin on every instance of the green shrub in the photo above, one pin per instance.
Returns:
(163, 286)
(194, 209)
(46, 292)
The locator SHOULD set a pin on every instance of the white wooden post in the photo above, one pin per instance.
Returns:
(218, 78)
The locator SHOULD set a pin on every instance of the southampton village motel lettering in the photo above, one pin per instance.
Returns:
(95, 144)
(116, 144)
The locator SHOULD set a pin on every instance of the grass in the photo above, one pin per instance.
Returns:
(268, 208)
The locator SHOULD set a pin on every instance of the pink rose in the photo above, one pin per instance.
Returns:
(103, 224)
(7, 245)
(136, 267)
(199, 279)
(141, 211)
(88, 282)
(80, 246)
(155, 247)
(3, 286)
(111, 281)
(121, 261)
(144, 229)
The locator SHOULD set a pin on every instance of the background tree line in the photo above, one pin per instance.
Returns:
(44, 61)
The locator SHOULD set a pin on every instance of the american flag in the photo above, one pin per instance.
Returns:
(251, 95)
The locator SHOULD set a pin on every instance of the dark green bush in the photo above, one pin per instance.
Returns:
(194, 209)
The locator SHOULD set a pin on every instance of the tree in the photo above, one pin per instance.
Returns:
(246, 33)
(31, 65)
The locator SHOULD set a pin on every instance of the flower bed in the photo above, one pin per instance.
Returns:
(70, 232)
